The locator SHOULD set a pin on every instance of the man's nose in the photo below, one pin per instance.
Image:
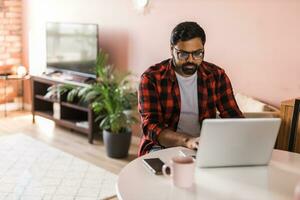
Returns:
(190, 58)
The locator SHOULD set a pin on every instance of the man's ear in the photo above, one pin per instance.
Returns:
(171, 49)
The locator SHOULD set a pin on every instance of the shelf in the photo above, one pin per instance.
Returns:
(69, 113)
(70, 105)
(46, 114)
(72, 125)
(66, 123)
(41, 97)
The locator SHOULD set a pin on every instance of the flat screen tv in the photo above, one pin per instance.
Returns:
(72, 47)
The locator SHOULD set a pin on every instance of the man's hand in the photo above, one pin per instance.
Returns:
(192, 143)
(169, 138)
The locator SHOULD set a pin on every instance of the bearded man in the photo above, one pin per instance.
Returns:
(176, 95)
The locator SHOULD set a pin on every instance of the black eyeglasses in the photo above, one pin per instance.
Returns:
(184, 55)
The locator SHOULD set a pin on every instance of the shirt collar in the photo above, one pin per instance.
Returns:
(201, 70)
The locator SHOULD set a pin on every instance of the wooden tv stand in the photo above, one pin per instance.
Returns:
(72, 116)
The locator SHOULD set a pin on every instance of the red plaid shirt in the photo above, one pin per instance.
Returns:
(159, 99)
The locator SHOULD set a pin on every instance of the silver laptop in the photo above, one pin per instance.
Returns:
(237, 142)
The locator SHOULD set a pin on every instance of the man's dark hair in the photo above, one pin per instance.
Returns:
(186, 31)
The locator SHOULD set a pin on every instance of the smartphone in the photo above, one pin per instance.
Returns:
(154, 164)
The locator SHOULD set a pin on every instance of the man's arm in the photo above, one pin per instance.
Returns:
(169, 138)
(150, 109)
(153, 121)
(226, 102)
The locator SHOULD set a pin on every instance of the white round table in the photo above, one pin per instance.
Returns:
(275, 181)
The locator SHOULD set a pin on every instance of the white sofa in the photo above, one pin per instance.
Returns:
(253, 108)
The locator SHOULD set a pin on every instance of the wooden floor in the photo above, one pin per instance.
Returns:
(71, 142)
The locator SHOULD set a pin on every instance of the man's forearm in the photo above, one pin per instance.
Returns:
(169, 138)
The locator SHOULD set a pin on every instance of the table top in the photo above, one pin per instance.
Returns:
(275, 181)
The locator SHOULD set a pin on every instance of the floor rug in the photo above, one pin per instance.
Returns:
(32, 170)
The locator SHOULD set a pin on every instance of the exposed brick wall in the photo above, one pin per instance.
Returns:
(10, 32)
(10, 42)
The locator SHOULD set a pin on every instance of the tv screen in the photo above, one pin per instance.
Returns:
(72, 47)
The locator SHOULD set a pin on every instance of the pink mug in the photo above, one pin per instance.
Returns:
(297, 192)
(182, 171)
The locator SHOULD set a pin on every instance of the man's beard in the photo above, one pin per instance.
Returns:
(189, 68)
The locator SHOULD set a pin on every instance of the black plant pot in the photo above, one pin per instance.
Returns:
(117, 144)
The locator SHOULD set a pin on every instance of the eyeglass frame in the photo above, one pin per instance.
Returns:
(189, 53)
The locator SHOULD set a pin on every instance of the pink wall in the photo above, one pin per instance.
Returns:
(256, 42)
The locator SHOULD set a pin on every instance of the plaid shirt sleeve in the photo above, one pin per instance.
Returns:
(226, 102)
(150, 109)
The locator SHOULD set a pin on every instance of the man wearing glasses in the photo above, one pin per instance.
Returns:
(176, 95)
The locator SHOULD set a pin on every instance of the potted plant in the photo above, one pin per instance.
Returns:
(112, 99)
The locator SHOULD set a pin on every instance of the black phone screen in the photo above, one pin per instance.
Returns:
(154, 164)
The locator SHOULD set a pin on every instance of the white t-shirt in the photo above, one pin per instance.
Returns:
(189, 113)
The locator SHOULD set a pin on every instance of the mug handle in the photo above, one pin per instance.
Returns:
(165, 168)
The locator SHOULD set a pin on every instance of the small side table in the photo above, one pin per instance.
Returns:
(9, 77)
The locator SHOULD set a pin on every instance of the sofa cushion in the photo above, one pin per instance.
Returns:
(248, 104)
(253, 108)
